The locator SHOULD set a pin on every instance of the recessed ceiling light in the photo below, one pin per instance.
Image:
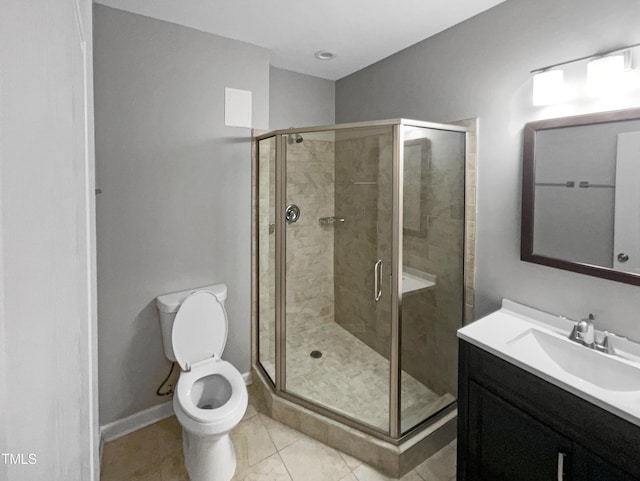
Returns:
(324, 55)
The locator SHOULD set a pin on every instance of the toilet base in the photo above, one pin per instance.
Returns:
(208, 458)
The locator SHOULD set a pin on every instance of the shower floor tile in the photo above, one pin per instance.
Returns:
(352, 379)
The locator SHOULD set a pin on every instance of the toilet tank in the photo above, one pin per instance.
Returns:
(168, 305)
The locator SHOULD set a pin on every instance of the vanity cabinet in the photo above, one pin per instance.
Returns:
(589, 467)
(515, 426)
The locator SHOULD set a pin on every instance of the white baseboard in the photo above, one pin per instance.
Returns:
(136, 421)
(139, 420)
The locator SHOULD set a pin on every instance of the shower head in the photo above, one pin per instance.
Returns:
(298, 138)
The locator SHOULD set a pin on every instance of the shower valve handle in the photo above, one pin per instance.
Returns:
(292, 213)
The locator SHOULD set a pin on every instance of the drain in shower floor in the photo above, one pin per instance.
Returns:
(316, 354)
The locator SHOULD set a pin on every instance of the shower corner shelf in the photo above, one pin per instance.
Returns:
(414, 281)
(331, 220)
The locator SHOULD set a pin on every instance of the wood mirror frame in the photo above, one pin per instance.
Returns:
(528, 194)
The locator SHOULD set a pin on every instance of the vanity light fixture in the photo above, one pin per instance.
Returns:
(605, 74)
(548, 87)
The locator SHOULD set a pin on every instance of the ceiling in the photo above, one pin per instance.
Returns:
(360, 32)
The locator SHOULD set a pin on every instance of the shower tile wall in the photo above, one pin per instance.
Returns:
(310, 271)
(358, 240)
(471, 174)
(430, 318)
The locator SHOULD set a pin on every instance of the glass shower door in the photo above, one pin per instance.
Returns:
(338, 204)
(432, 257)
(266, 254)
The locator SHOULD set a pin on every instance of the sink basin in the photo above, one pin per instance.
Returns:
(538, 343)
(551, 352)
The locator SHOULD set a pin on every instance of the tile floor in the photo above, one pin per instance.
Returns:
(351, 378)
(265, 449)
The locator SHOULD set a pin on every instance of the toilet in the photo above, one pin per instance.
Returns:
(211, 397)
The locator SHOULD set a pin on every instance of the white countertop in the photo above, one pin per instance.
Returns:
(538, 343)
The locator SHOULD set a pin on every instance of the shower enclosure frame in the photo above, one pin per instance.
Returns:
(395, 435)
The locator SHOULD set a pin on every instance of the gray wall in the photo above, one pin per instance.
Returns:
(175, 207)
(297, 100)
(48, 386)
(480, 68)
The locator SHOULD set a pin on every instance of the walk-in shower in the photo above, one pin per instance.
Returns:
(359, 270)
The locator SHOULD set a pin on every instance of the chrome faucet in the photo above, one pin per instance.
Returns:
(605, 346)
(584, 333)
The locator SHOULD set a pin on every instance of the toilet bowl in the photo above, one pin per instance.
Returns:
(211, 397)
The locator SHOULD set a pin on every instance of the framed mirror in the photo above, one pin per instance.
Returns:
(581, 194)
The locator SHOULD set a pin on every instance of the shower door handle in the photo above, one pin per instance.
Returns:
(377, 280)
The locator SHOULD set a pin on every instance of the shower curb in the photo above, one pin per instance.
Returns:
(393, 460)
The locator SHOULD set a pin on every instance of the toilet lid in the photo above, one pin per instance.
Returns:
(199, 329)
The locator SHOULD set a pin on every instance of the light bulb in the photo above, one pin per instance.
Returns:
(548, 87)
(605, 75)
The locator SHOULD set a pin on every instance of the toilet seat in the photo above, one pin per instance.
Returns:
(199, 329)
(198, 337)
(227, 412)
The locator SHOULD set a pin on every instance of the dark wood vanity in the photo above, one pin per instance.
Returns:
(515, 426)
